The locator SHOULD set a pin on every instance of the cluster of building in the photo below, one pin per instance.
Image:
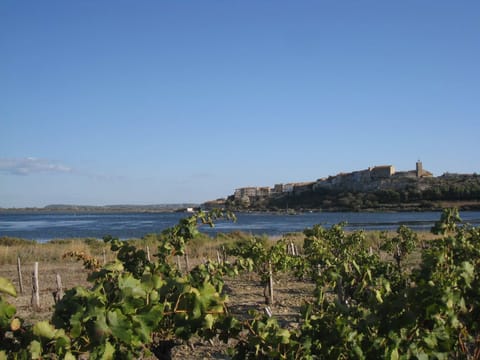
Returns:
(267, 191)
(356, 180)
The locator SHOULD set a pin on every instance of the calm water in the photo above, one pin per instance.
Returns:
(45, 227)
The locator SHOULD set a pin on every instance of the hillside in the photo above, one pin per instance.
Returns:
(374, 189)
(392, 194)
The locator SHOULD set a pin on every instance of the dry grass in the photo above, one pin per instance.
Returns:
(31, 251)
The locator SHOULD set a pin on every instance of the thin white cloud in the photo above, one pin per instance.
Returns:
(31, 165)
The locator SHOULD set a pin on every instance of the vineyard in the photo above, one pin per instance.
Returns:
(365, 302)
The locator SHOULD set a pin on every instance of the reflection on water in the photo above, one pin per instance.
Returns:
(44, 227)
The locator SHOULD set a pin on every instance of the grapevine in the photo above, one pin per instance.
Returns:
(367, 305)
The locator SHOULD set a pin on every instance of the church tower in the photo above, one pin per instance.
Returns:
(419, 169)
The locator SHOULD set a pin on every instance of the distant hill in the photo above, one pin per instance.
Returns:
(379, 188)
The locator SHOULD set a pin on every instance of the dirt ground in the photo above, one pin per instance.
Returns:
(244, 293)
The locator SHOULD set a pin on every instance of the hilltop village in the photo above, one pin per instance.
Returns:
(375, 188)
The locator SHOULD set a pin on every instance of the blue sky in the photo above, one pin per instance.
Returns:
(144, 102)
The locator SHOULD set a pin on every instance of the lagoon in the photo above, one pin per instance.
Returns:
(46, 227)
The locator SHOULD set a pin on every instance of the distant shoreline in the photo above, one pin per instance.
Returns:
(106, 209)
(172, 208)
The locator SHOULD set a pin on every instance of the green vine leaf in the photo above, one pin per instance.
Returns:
(44, 329)
(7, 287)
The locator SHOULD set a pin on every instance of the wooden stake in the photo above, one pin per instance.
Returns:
(218, 257)
(340, 291)
(294, 251)
(187, 263)
(270, 284)
(58, 294)
(104, 257)
(19, 271)
(148, 253)
(35, 291)
(266, 293)
(179, 265)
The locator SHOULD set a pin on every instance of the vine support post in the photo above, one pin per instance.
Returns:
(148, 253)
(398, 257)
(104, 257)
(19, 271)
(340, 291)
(179, 265)
(270, 282)
(58, 294)
(35, 291)
(294, 249)
(218, 257)
(187, 262)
